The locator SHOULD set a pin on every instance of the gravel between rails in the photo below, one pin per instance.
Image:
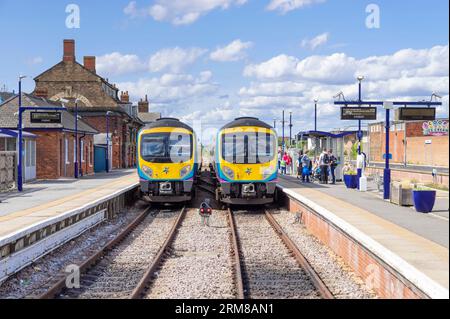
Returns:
(35, 279)
(199, 265)
(121, 269)
(339, 278)
(269, 269)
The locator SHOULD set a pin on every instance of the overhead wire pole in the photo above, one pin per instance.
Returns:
(388, 106)
(290, 129)
(283, 122)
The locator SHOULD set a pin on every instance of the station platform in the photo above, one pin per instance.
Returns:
(47, 199)
(418, 243)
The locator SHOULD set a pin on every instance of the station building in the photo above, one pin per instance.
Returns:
(422, 143)
(98, 102)
(49, 148)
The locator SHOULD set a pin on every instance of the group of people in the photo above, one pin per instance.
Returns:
(321, 168)
(284, 162)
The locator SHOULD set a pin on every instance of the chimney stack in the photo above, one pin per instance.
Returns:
(124, 97)
(89, 63)
(69, 51)
(143, 105)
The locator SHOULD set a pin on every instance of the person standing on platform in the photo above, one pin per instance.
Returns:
(324, 162)
(306, 165)
(299, 164)
(333, 165)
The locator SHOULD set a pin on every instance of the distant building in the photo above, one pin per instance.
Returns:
(49, 147)
(144, 113)
(412, 143)
(96, 98)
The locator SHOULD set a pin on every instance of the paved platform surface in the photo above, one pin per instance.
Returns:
(421, 240)
(46, 199)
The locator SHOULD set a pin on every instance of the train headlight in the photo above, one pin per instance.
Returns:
(228, 172)
(185, 171)
(147, 171)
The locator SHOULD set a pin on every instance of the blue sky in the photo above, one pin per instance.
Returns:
(255, 76)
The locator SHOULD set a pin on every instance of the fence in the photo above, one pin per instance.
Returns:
(7, 171)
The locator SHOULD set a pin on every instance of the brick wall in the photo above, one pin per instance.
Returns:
(377, 275)
(50, 155)
(417, 151)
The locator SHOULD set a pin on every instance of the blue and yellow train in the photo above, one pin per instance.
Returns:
(246, 162)
(168, 161)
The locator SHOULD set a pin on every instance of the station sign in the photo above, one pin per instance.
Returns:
(45, 117)
(359, 113)
(417, 114)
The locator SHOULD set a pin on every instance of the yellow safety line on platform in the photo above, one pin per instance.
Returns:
(55, 203)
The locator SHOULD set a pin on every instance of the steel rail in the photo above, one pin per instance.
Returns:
(236, 258)
(95, 258)
(303, 262)
(146, 278)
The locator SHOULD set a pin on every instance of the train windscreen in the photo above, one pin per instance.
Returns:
(166, 147)
(248, 148)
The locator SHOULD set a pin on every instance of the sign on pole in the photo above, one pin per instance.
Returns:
(45, 117)
(417, 114)
(359, 113)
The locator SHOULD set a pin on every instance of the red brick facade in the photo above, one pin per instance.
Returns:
(95, 98)
(409, 145)
(51, 159)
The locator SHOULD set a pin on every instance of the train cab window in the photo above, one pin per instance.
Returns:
(248, 148)
(166, 147)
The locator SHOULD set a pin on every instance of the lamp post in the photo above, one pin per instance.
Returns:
(20, 128)
(315, 114)
(107, 140)
(360, 79)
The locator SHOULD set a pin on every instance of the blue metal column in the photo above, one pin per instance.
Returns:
(387, 171)
(107, 142)
(359, 170)
(19, 169)
(76, 140)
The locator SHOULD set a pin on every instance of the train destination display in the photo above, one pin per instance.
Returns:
(359, 113)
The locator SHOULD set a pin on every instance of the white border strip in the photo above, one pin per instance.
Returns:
(42, 224)
(412, 274)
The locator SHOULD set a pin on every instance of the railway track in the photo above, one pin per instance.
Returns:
(267, 264)
(197, 265)
(121, 268)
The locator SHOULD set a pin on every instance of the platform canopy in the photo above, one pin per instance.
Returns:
(321, 134)
(14, 133)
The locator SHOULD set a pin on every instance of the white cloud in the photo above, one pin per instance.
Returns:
(285, 6)
(316, 42)
(174, 59)
(234, 51)
(35, 60)
(118, 64)
(179, 12)
(341, 68)
(291, 83)
(169, 90)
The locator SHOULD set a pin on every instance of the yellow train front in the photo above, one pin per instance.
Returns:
(246, 162)
(167, 161)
